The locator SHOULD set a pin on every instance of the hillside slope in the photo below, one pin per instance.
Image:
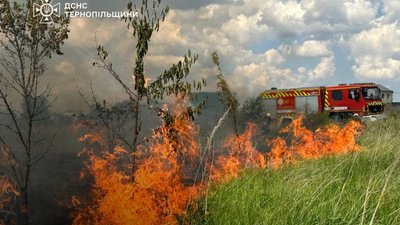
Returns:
(358, 188)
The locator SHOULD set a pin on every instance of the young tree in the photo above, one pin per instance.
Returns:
(171, 82)
(25, 45)
(226, 96)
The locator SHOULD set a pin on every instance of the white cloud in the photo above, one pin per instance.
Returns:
(301, 70)
(324, 11)
(313, 48)
(265, 71)
(316, 17)
(253, 78)
(273, 57)
(285, 49)
(360, 12)
(169, 33)
(391, 10)
(376, 52)
(325, 68)
(310, 48)
(244, 29)
(372, 67)
(380, 40)
(209, 11)
(287, 18)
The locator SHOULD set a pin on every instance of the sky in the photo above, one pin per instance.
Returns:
(261, 44)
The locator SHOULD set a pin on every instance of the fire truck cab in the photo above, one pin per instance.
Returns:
(360, 99)
(340, 101)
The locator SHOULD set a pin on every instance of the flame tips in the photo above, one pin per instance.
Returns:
(306, 144)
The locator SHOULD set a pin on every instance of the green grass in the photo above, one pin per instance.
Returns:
(358, 188)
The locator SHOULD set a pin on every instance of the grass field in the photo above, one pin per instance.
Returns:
(358, 188)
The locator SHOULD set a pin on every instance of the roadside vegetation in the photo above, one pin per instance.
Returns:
(358, 188)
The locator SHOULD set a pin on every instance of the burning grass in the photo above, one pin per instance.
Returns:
(241, 155)
(303, 143)
(357, 188)
(9, 192)
(157, 194)
(163, 187)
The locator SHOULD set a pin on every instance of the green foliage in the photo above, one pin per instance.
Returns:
(359, 188)
(227, 97)
(27, 34)
(173, 81)
(143, 27)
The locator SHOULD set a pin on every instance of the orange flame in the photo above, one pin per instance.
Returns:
(306, 144)
(242, 155)
(158, 194)
(8, 193)
(160, 191)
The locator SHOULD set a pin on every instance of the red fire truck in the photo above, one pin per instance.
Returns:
(343, 100)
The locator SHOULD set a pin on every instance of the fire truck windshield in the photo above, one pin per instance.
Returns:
(371, 93)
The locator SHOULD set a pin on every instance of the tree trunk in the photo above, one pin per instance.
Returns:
(235, 124)
(136, 129)
(25, 200)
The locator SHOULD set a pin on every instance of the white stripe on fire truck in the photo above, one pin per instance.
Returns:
(285, 111)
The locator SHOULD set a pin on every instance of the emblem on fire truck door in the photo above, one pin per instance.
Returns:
(280, 101)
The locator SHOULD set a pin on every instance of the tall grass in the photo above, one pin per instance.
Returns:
(359, 188)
